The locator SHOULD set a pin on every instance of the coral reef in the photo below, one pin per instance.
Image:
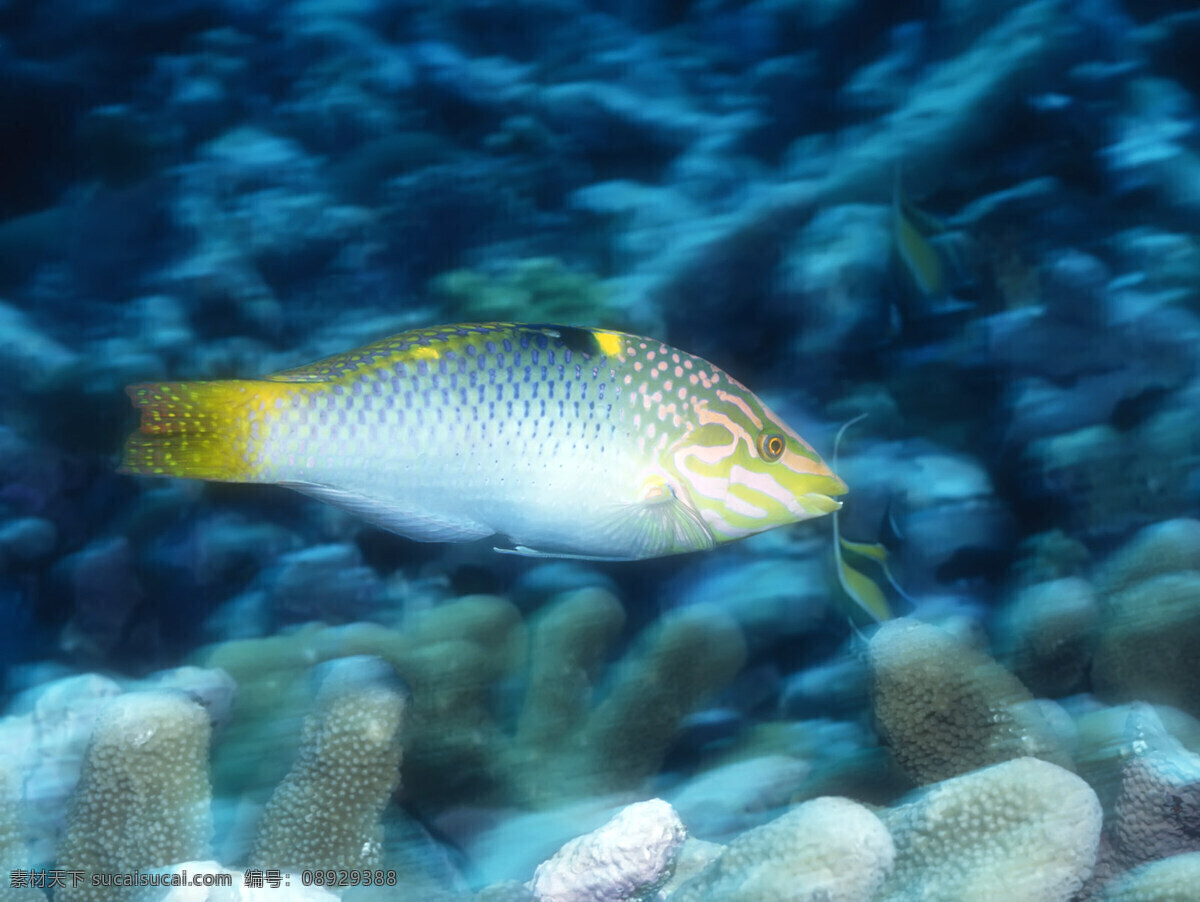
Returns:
(143, 799)
(1150, 617)
(632, 856)
(537, 290)
(566, 742)
(946, 708)
(975, 221)
(326, 812)
(1021, 830)
(826, 849)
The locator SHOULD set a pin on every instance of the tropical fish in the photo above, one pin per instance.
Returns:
(928, 297)
(862, 590)
(568, 442)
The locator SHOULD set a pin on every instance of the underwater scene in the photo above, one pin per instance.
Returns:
(600, 450)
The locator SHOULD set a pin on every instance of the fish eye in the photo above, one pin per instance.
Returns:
(771, 446)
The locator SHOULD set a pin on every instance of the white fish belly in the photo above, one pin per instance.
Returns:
(545, 473)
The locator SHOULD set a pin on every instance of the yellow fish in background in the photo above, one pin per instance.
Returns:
(568, 442)
(929, 295)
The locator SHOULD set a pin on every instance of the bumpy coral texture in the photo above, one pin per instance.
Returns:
(1156, 813)
(326, 813)
(1175, 879)
(143, 796)
(1021, 831)
(630, 857)
(947, 709)
(14, 852)
(826, 850)
(582, 728)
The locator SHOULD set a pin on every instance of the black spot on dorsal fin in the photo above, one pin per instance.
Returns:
(577, 340)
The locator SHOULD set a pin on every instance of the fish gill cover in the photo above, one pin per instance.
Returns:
(974, 222)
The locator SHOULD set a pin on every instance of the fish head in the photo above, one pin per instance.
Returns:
(744, 471)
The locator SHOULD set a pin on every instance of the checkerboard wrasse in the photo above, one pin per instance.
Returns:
(565, 441)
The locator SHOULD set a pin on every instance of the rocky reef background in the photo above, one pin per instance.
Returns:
(974, 221)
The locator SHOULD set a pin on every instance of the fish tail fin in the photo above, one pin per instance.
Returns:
(198, 430)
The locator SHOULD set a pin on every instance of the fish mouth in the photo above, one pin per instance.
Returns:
(816, 505)
(819, 500)
(826, 484)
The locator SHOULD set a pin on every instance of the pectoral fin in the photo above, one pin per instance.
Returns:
(657, 524)
(412, 523)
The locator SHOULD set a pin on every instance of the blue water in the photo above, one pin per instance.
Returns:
(974, 222)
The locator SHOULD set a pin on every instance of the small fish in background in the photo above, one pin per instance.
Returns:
(863, 591)
(569, 442)
(932, 268)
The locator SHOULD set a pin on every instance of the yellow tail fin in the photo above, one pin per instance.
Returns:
(198, 430)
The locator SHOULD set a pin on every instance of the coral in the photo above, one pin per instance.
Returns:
(1046, 634)
(1150, 620)
(322, 582)
(1173, 879)
(102, 590)
(568, 641)
(14, 851)
(1109, 480)
(1024, 830)
(29, 359)
(1156, 813)
(826, 850)
(508, 891)
(621, 740)
(569, 741)
(953, 109)
(947, 708)
(45, 743)
(143, 797)
(450, 659)
(630, 857)
(730, 798)
(774, 600)
(537, 290)
(326, 813)
(1147, 641)
(1166, 547)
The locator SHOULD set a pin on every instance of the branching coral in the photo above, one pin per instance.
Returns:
(576, 734)
(620, 740)
(14, 853)
(143, 797)
(326, 813)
